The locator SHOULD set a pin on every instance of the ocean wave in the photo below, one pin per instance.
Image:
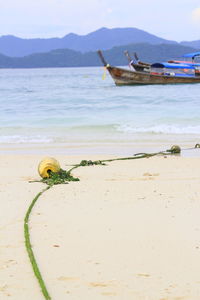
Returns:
(95, 133)
(160, 129)
(20, 139)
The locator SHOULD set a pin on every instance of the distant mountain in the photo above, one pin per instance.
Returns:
(193, 44)
(114, 56)
(5, 61)
(103, 38)
(147, 52)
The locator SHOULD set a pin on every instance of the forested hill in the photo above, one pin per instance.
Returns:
(114, 56)
(103, 38)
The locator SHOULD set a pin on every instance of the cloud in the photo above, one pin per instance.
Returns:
(40, 17)
(49, 18)
(196, 15)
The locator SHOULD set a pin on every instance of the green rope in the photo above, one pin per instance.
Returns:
(63, 177)
(84, 163)
(136, 156)
(29, 247)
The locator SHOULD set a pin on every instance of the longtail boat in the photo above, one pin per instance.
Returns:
(136, 64)
(158, 73)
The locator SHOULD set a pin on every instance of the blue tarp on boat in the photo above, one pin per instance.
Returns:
(192, 64)
(192, 54)
(172, 66)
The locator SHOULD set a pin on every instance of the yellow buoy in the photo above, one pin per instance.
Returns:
(46, 165)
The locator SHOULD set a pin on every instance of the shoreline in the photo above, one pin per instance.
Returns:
(117, 149)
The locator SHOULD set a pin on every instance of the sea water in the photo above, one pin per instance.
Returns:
(75, 106)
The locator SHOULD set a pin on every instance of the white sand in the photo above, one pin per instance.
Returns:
(129, 230)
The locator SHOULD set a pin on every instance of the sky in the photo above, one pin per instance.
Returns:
(170, 19)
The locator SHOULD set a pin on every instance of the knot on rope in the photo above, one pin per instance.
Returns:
(175, 149)
(84, 163)
(60, 177)
(197, 146)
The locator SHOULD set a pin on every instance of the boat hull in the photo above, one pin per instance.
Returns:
(128, 77)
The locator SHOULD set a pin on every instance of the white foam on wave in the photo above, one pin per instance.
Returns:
(92, 133)
(20, 139)
(158, 129)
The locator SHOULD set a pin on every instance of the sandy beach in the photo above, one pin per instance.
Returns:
(128, 230)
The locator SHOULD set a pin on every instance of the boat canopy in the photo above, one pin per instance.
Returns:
(172, 66)
(193, 55)
(190, 63)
